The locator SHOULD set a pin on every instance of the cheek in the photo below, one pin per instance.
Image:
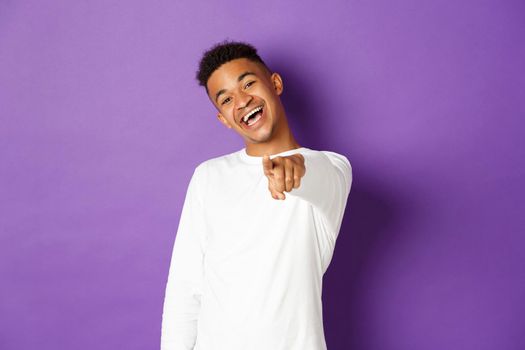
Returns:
(269, 94)
(228, 114)
(266, 90)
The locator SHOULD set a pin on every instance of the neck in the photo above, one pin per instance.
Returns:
(282, 140)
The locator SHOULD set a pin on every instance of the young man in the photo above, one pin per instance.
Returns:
(258, 226)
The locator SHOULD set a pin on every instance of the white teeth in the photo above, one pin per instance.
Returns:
(245, 118)
(254, 120)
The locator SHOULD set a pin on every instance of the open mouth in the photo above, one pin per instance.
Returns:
(253, 116)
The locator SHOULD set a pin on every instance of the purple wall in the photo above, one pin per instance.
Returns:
(102, 124)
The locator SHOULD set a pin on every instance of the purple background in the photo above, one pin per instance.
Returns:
(102, 124)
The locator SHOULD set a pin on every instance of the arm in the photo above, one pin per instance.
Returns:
(326, 185)
(184, 285)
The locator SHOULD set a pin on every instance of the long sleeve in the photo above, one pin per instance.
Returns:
(326, 185)
(184, 284)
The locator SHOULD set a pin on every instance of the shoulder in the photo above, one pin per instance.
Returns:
(337, 157)
(334, 157)
(342, 164)
(213, 164)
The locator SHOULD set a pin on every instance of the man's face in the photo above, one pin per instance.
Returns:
(240, 87)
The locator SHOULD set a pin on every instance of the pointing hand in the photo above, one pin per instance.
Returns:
(283, 173)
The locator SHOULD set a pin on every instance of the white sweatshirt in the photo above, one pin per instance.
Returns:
(246, 269)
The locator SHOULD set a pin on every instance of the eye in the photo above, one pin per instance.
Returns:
(249, 83)
(225, 100)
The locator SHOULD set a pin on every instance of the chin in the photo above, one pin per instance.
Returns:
(259, 138)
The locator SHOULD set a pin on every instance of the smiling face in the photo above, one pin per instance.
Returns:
(242, 88)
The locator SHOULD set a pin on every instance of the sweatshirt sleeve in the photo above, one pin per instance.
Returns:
(184, 284)
(326, 185)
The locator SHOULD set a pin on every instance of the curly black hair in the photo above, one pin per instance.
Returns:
(223, 52)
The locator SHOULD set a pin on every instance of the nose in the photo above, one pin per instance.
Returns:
(243, 100)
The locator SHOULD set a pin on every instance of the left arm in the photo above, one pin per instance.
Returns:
(325, 183)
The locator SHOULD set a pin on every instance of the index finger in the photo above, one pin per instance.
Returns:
(267, 165)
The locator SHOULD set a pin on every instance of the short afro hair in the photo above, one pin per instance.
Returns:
(223, 52)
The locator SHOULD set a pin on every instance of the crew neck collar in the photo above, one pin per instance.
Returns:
(258, 159)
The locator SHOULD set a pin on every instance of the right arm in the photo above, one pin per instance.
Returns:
(184, 286)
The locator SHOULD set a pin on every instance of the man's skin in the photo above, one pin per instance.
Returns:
(233, 98)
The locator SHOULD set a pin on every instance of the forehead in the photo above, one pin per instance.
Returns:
(226, 76)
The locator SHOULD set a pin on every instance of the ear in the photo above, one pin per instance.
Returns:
(277, 83)
(224, 120)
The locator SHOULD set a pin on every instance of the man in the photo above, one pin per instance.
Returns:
(258, 226)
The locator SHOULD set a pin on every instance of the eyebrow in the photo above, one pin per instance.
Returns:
(239, 78)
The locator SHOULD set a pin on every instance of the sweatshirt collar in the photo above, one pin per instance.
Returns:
(245, 157)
